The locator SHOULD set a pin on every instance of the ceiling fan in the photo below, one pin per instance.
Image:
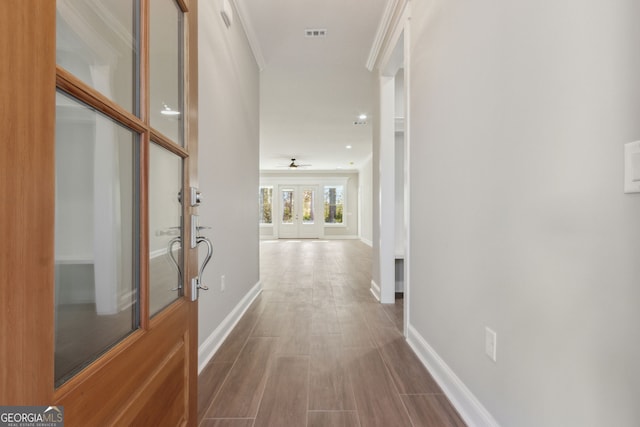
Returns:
(294, 165)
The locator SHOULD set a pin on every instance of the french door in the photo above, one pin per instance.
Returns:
(299, 216)
(98, 155)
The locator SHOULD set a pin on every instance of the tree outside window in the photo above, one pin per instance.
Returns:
(287, 206)
(333, 204)
(307, 207)
(265, 197)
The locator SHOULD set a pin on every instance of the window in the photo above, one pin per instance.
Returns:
(333, 204)
(265, 197)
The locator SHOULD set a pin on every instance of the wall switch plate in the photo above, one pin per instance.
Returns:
(223, 285)
(632, 167)
(490, 338)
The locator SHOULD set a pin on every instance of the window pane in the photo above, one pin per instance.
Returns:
(97, 41)
(307, 206)
(95, 228)
(165, 227)
(265, 206)
(165, 65)
(333, 204)
(287, 206)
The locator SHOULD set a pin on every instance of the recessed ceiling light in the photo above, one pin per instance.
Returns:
(362, 116)
(348, 147)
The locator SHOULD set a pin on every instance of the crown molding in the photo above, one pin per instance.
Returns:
(383, 26)
(391, 18)
(249, 31)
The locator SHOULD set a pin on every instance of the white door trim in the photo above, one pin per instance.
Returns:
(394, 57)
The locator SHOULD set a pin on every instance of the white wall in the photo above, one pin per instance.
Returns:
(375, 180)
(519, 113)
(228, 137)
(366, 201)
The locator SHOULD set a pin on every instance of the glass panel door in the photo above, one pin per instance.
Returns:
(288, 206)
(165, 69)
(120, 162)
(308, 227)
(95, 235)
(297, 212)
(98, 42)
(104, 291)
(308, 202)
(165, 228)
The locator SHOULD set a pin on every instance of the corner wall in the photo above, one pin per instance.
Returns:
(229, 134)
(519, 113)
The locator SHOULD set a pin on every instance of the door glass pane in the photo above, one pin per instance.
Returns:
(96, 302)
(97, 41)
(165, 67)
(287, 206)
(307, 206)
(165, 226)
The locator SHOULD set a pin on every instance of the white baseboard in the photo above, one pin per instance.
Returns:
(468, 406)
(209, 347)
(366, 242)
(375, 290)
(339, 237)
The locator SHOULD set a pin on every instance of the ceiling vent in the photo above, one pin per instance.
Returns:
(315, 32)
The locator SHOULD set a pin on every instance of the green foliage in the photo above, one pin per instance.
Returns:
(333, 204)
(333, 213)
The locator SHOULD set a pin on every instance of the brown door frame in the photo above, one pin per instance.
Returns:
(27, 122)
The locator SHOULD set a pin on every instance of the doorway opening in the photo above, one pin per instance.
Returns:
(394, 253)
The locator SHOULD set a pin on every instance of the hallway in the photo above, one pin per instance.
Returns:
(316, 349)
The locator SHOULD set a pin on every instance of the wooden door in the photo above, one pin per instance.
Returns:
(63, 130)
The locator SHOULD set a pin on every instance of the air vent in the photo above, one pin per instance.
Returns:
(315, 32)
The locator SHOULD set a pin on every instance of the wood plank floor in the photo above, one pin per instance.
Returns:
(315, 349)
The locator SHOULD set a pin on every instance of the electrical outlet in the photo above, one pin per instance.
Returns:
(223, 285)
(490, 338)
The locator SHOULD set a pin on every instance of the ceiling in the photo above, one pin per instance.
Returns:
(313, 89)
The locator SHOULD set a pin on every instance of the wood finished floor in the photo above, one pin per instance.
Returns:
(315, 349)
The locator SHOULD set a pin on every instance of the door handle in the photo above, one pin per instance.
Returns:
(172, 243)
(207, 258)
(196, 282)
